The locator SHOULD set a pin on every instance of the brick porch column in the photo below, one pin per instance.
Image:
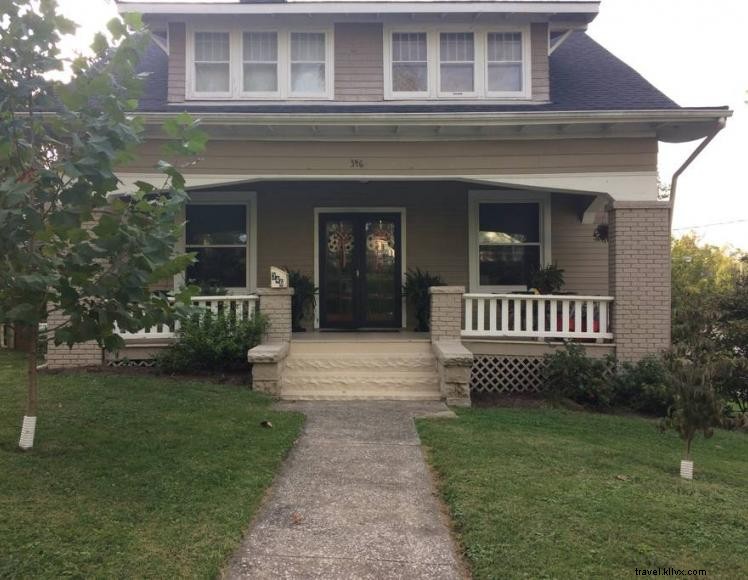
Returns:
(86, 354)
(275, 304)
(639, 272)
(446, 312)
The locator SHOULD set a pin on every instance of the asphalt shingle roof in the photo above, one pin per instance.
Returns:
(584, 76)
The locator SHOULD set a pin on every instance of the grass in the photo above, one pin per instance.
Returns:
(557, 494)
(132, 476)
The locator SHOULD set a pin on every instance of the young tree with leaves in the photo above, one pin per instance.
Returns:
(66, 246)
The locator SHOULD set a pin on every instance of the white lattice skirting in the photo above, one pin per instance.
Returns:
(506, 374)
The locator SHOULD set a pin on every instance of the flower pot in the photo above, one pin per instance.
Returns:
(686, 469)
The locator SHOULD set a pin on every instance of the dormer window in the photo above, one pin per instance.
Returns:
(213, 63)
(457, 62)
(260, 67)
(259, 64)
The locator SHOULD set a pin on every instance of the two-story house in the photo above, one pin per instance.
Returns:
(477, 140)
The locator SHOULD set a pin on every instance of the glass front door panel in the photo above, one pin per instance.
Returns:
(338, 292)
(381, 279)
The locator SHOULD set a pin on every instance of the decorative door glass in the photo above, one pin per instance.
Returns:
(340, 271)
(381, 280)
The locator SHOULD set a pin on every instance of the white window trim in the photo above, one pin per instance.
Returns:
(245, 198)
(236, 83)
(475, 198)
(481, 63)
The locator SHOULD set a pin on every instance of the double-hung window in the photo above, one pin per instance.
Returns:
(212, 62)
(504, 63)
(455, 62)
(219, 237)
(259, 64)
(509, 239)
(410, 71)
(308, 63)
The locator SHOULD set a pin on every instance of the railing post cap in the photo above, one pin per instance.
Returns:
(447, 290)
(274, 291)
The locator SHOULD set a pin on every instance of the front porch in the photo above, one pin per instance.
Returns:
(355, 241)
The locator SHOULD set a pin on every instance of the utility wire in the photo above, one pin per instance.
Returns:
(710, 225)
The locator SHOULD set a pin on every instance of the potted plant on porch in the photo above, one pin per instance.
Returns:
(416, 290)
(304, 297)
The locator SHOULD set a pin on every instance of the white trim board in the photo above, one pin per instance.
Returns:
(369, 209)
(619, 186)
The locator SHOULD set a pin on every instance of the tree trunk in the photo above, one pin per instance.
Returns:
(32, 401)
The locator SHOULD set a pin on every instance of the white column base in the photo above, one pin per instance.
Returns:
(686, 469)
(28, 430)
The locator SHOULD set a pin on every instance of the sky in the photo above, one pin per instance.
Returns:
(692, 50)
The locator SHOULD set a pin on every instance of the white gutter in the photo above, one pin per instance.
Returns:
(454, 7)
(721, 123)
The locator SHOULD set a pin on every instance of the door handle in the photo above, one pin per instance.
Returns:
(358, 273)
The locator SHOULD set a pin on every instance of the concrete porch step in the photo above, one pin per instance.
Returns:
(350, 361)
(379, 394)
(339, 368)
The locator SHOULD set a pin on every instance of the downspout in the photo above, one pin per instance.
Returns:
(703, 145)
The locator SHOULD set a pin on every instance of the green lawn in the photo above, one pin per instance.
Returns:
(559, 494)
(132, 476)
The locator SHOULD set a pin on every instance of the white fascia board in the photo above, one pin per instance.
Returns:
(446, 119)
(615, 186)
(405, 7)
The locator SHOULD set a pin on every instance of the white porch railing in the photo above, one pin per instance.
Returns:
(243, 307)
(537, 316)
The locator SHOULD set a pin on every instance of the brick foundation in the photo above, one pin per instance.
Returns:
(86, 354)
(639, 253)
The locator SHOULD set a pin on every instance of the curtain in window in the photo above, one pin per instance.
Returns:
(260, 62)
(212, 62)
(504, 62)
(308, 62)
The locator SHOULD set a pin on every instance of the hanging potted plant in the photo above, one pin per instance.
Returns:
(696, 408)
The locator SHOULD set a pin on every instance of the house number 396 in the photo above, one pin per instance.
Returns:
(357, 163)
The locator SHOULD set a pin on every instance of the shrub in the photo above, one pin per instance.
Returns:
(416, 289)
(643, 386)
(696, 407)
(212, 342)
(571, 374)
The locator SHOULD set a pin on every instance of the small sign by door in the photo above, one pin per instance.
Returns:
(278, 277)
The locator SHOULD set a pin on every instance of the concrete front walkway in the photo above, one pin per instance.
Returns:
(354, 500)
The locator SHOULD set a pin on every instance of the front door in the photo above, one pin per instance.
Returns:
(360, 275)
